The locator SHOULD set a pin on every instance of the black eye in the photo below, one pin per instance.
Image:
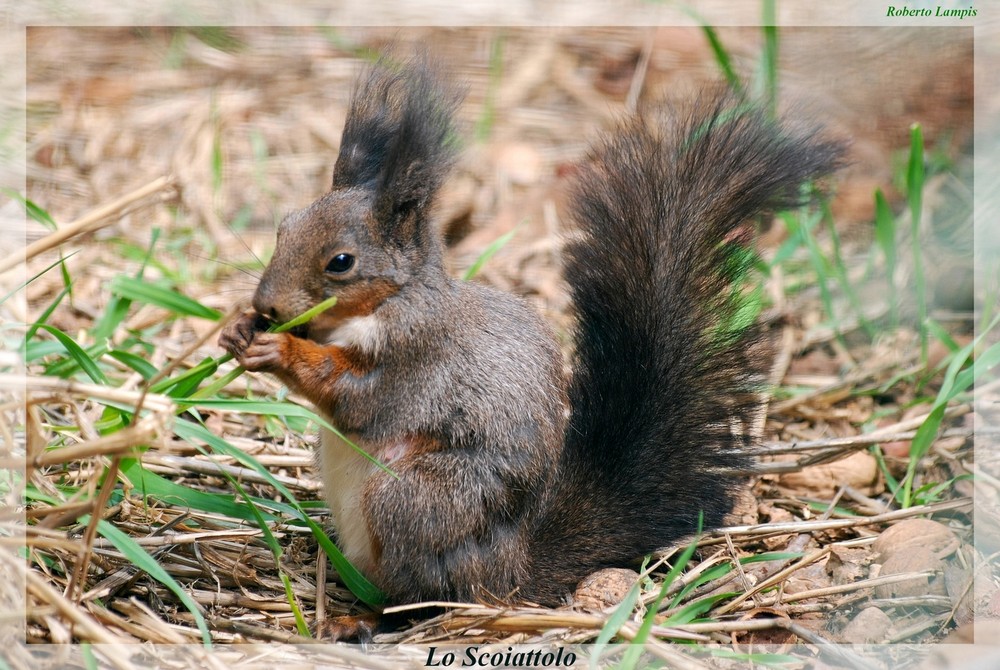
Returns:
(340, 263)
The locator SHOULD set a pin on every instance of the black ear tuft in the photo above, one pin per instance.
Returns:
(368, 129)
(398, 139)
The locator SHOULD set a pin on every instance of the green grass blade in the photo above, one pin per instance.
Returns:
(197, 434)
(693, 610)
(114, 313)
(789, 246)
(185, 388)
(984, 362)
(221, 38)
(958, 378)
(914, 196)
(152, 294)
(885, 236)
(840, 270)
(719, 51)
(199, 372)
(89, 660)
(269, 539)
(39, 214)
(293, 602)
(769, 56)
(918, 447)
(615, 622)
(772, 556)
(801, 226)
(891, 482)
(951, 384)
(353, 579)
(358, 584)
(76, 352)
(306, 316)
(942, 335)
(146, 369)
(36, 276)
(489, 252)
(720, 571)
(150, 484)
(484, 126)
(632, 655)
(930, 492)
(217, 159)
(224, 381)
(35, 212)
(915, 171)
(209, 366)
(117, 308)
(45, 315)
(142, 560)
(68, 365)
(283, 409)
(64, 271)
(112, 420)
(220, 383)
(722, 58)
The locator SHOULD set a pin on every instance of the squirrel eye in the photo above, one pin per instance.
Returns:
(340, 263)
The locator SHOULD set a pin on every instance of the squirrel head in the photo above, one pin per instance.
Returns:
(370, 236)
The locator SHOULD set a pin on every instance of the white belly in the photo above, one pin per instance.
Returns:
(345, 474)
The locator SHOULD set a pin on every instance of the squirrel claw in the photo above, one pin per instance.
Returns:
(237, 335)
(264, 354)
(249, 343)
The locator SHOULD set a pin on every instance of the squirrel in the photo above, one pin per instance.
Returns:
(514, 480)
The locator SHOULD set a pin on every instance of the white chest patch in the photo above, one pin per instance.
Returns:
(364, 332)
(345, 473)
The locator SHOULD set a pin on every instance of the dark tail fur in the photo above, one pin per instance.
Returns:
(661, 377)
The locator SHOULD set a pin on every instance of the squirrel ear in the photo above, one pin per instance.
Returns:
(367, 130)
(398, 139)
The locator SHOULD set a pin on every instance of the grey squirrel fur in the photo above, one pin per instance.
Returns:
(514, 482)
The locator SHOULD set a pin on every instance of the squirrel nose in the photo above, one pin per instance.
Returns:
(263, 302)
(270, 314)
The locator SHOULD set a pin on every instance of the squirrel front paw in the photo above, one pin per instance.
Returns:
(251, 345)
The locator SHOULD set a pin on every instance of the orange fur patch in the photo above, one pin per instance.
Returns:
(315, 356)
(363, 300)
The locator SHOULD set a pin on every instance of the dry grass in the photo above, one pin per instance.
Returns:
(197, 133)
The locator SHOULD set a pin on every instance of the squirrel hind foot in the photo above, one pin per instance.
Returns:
(360, 628)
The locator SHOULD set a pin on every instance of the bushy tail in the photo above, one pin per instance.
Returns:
(663, 370)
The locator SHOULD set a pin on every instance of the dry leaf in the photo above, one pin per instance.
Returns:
(916, 533)
(848, 564)
(859, 471)
(914, 559)
(871, 625)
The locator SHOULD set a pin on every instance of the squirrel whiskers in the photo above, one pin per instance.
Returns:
(459, 387)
